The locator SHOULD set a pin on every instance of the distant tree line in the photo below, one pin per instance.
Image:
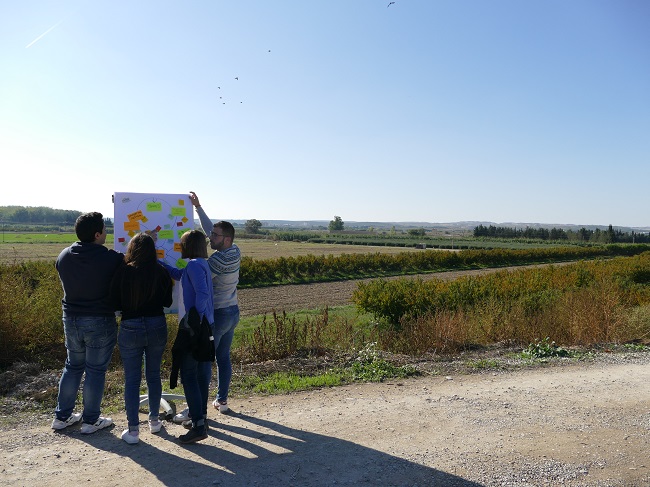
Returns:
(42, 218)
(582, 235)
(37, 215)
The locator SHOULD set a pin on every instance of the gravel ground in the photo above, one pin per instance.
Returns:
(574, 424)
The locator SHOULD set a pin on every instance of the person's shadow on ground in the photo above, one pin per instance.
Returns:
(261, 452)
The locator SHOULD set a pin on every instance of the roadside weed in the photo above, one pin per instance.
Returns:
(368, 366)
(544, 349)
(483, 364)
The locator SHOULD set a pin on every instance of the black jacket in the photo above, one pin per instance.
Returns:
(159, 287)
(86, 270)
(194, 336)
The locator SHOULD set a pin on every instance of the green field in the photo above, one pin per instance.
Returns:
(41, 238)
(21, 247)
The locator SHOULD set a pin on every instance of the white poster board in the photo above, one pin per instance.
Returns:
(164, 216)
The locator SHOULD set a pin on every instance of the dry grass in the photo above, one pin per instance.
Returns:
(15, 253)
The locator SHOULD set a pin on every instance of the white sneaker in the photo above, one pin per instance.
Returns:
(184, 415)
(131, 437)
(101, 423)
(222, 406)
(155, 425)
(58, 424)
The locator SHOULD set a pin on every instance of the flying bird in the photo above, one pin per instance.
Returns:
(237, 78)
(389, 4)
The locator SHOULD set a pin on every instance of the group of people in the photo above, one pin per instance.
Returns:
(98, 281)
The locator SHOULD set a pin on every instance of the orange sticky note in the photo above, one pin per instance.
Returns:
(132, 226)
(136, 215)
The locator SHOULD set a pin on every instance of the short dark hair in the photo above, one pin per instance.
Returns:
(87, 225)
(226, 228)
(194, 245)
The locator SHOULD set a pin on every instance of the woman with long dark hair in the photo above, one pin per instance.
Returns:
(140, 289)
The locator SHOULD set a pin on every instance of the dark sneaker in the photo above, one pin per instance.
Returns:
(188, 424)
(194, 435)
(58, 424)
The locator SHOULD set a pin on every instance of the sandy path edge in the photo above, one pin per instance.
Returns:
(580, 424)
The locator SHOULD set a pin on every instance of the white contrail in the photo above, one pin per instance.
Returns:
(43, 34)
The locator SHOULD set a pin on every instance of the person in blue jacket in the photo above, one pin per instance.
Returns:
(196, 282)
(224, 264)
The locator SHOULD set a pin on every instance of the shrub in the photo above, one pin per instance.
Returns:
(30, 314)
(584, 303)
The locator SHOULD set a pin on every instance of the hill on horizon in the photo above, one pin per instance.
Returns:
(16, 214)
(441, 226)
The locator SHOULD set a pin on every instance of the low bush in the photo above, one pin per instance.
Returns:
(312, 268)
(583, 303)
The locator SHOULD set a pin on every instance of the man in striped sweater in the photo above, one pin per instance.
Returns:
(224, 264)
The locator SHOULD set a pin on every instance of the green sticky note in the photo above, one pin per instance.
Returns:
(166, 234)
(153, 206)
(181, 264)
(178, 211)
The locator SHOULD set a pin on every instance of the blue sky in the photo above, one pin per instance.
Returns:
(424, 110)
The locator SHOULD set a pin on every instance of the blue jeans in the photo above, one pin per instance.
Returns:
(139, 338)
(196, 377)
(90, 341)
(225, 321)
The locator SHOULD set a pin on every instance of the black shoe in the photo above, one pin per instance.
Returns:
(188, 425)
(194, 435)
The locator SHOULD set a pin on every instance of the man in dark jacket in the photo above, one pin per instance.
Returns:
(86, 269)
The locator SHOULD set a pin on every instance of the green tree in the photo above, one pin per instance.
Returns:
(336, 224)
(417, 232)
(611, 235)
(253, 225)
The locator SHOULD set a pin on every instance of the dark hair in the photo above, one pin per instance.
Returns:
(194, 245)
(226, 228)
(87, 225)
(141, 250)
(141, 255)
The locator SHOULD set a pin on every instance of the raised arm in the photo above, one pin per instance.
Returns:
(206, 223)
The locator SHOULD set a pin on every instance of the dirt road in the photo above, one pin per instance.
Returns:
(575, 425)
